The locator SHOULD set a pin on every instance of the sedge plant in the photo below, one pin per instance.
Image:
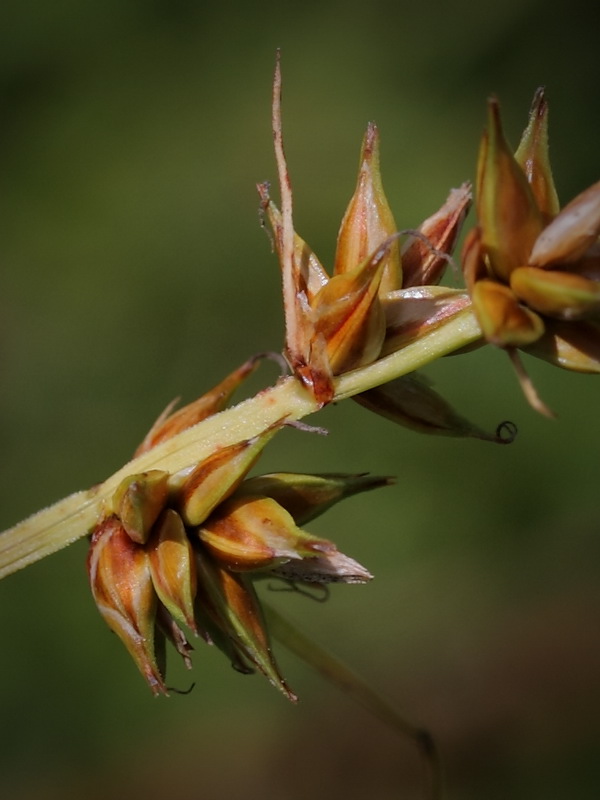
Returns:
(180, 535)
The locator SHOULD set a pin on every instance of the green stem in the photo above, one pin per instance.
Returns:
(75, 516)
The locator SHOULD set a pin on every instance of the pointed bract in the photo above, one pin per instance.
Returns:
(368, 220)
(305, 354)
(307, 496)
(532, 155)
(509, 218)
(168, 424)
(412, 402)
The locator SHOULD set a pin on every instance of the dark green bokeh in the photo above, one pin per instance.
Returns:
(134, 270)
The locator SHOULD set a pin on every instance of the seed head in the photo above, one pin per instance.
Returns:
(530, 267)
(185, 550)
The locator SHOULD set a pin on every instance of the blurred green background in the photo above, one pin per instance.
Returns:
(133, 270)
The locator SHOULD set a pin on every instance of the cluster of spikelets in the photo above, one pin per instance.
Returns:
(379, 298)
(533, 270)
(184, 550)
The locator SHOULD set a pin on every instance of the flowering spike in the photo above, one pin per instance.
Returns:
(307, 496)
(304, 350)
(173, 567)
(138, 501)
(121, 585)
(525, 278)
(167, 425)
(368, 220)
(412, 402)
(337, 325)
(218, 476)
(256, 533)
(508, 215)
(532, 156)
(423, 260)
(230, 601)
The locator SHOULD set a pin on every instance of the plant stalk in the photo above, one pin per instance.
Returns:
(75, 516)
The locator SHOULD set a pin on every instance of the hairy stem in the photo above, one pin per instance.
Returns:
(73, 517)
